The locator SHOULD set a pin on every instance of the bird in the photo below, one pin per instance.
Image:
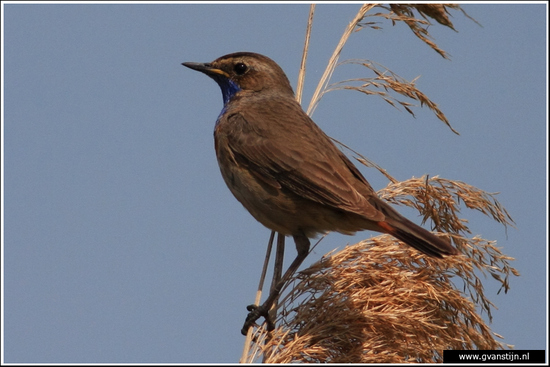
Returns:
(288, 173)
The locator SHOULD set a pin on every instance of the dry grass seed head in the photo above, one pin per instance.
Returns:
(378, 302)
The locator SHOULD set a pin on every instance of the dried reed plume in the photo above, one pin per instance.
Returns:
(379, 300)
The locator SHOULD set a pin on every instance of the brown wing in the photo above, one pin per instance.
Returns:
(294, 153)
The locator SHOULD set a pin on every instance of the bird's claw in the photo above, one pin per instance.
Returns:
(255, 312)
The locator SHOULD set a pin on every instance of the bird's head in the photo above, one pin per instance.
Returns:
(244, 71)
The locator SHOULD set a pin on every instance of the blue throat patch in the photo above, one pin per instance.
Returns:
(229, 88)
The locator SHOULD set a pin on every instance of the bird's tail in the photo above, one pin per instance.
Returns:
(417, 237)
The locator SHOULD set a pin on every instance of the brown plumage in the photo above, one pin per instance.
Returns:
(286, 171)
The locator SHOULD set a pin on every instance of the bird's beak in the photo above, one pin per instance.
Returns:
(205, 68)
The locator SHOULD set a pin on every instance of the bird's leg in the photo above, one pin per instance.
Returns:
(277, 272)
(302, 246)
(277, 275)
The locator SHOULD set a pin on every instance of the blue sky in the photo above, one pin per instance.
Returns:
(121, 241)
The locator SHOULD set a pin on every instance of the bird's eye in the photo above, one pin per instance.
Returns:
(240, 68)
